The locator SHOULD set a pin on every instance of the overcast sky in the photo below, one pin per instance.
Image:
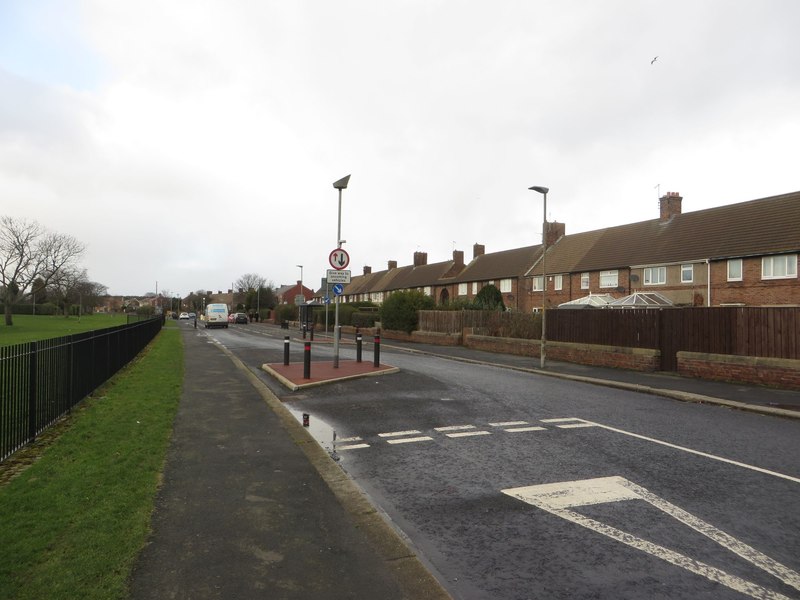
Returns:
(190, 142)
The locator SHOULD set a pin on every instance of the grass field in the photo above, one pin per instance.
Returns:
(28, 328)
(75, 519)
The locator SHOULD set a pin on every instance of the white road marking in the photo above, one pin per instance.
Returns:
(557, 498)
(563, 420)
(352, 447)
(350, 439)
(399, 433)
(575, 425)
(467, 434)
(454, 428)
(698, 453)
(521, 429)
(508, 423)
(410, 440)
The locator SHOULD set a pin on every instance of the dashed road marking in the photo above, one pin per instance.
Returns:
(508, 423)
(575, 425)
(467, 434)
(398, 433)
(523, 429)
(453, 428)
(350, 439)
(352, 447)
(410, 440)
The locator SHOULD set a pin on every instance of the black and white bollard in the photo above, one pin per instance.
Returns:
(377, 361)
(286, 350)
(358, 347)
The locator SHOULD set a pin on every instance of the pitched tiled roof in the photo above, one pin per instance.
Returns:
(499, 265)
(758, 227)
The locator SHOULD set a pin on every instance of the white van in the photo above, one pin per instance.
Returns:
(216, 315)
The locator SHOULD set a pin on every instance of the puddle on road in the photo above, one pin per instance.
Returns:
(319, 430)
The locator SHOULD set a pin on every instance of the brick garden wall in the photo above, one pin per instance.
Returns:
(776, 372)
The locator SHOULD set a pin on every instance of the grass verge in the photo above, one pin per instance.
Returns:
(73, 522)
(27, 328)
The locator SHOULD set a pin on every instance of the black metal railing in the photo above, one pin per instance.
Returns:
(41, 381)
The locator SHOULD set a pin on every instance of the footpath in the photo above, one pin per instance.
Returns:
(252, 507)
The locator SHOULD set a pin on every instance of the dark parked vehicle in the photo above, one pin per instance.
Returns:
(241, 318)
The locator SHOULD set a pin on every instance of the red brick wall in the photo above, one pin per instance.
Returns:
(774, 372)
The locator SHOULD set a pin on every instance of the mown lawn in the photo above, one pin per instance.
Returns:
(73, 522)
(28, 328)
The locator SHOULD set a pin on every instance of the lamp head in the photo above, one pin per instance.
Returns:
(540, 189)
(342, 183)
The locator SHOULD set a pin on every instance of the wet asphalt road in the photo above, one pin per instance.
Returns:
(649, 498)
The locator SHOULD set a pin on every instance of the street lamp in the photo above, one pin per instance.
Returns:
(543, 350)
(299, 311)
(339, 185)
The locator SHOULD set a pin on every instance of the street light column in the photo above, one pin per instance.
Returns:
(339, 185)
(543, 348)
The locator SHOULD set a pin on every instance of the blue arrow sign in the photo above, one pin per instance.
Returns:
(338, 289)
(327, 299)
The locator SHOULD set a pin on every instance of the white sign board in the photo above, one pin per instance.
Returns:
(336, 276)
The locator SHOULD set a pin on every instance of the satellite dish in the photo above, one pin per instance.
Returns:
(622, 289)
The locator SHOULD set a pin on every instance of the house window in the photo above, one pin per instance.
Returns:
(505, 286)
(779, 267)
(655, 275)
(559, 282)
(537, 283)
(584, 281)
(462, 289)
(735, 269)
(427, 290)
(474, 287)
(609, 279)
(687, 273)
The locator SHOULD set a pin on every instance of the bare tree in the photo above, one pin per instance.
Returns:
(250, 281)
(27, 253)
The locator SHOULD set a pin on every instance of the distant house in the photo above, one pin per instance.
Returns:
(738, 254)
(286, 294)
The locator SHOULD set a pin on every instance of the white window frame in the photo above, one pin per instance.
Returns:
(584, 281)
(607, 277)
(537, 283)
(787, 264)
(558, 283)
(462, 289)
(475, 288)
(505, 286)
(655, 275)
(735, 262)
(427, 290)
(687, 269)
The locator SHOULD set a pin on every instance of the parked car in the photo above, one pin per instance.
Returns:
(241, 318)
(192, 315)
(184, 316)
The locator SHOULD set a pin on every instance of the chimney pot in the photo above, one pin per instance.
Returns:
(669, 206)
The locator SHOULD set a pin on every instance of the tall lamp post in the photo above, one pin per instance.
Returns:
(340, 185)
(543, 350)
(304, 299)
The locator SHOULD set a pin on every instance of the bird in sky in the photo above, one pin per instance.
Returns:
(654, 60)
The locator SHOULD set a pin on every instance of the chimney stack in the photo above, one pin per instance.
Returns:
(554, 231)
(458, 258)
(669, 205)
(478, 250)
(420, 259)
(367, 270)
(392, 264)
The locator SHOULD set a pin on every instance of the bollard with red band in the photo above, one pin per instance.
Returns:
(377, 361)
(307, 361)
(286, 350)
(305, 419)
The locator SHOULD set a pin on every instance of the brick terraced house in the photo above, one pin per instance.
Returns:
(738, 254)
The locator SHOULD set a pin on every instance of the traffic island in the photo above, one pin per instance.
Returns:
(322, 372)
